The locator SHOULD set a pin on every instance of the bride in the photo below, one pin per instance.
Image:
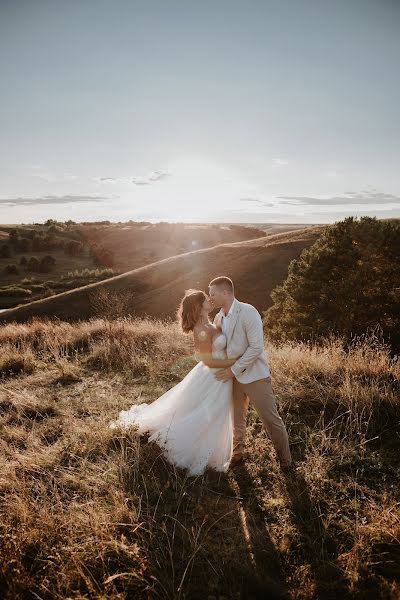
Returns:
(193, 421)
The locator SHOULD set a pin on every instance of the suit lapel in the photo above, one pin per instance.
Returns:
(232, 322)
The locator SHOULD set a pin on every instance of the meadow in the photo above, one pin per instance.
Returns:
(90, 512)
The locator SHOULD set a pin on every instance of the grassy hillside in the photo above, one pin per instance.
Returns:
(256, 266)
(88, 512)
(135, 245)
(120, 246)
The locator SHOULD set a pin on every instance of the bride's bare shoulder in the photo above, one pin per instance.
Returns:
(204, 331)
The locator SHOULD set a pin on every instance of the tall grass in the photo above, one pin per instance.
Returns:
(90, 512)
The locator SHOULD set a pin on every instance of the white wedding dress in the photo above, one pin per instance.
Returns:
(193, 421)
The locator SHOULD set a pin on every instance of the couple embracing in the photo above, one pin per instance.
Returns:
(201, 422)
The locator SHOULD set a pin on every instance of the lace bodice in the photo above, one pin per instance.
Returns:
(219, 346)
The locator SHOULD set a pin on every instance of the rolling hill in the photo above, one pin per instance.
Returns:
(256, 266)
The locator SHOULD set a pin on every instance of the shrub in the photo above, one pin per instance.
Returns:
(11, 269)
(102, 256)
(23, 261)
(33, 264)
(344, 284)
(47, 263)
(74, 248)
(5, 251)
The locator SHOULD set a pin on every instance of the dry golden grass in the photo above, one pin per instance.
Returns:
(89, 512)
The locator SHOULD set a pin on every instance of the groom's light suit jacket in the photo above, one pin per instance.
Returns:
(245, 342)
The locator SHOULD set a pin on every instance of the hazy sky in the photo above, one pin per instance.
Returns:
(252, 111)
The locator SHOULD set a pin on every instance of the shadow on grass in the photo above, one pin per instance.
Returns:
(266, 580)
(319, 547)
(195, 531)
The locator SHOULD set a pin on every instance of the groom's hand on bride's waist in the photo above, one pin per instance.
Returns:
(224, 374)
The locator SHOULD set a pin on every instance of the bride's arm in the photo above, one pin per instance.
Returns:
(203, 345)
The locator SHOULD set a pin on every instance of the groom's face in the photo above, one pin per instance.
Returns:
(217, 296)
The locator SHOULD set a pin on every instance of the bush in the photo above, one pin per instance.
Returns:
(11, 269)
(102, 256)
(74, 248)
(344, 284)
(33, 264)
(47, 263)
(5, 251)
(23, 261)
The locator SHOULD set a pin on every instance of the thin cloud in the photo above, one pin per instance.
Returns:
(279, 162)
(67, 199)
(361, 198)
(252, 200)
(256, 201)
(149, 179)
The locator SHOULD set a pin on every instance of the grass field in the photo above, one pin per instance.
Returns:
(87, 512)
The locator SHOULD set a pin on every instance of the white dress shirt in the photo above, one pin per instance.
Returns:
(225, 318)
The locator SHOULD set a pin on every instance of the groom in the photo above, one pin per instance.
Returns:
(242, 325)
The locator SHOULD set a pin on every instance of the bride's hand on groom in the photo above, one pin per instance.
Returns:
(224, 374)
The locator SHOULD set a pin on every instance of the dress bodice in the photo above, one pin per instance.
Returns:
(219, 346)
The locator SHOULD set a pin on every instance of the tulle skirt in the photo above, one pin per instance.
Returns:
(192, 422)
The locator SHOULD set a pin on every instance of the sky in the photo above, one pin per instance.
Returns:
(199, 111)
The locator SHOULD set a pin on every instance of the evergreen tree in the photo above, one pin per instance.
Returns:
(347, 282)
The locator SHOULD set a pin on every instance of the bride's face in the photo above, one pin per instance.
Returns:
(207, 306)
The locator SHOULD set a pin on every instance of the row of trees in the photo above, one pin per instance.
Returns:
(346, 283)
(33, 264)
(39, 241)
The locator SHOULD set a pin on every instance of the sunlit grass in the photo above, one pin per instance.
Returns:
(89, 512)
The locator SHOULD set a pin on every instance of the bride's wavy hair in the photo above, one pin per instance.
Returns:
(190, 308)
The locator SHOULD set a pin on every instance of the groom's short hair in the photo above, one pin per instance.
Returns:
(223, 282)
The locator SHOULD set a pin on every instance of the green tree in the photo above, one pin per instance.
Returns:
(74, 248)
(33, 264)
(47, 263)
(11, 269)
(346, 283)
(5, 251)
